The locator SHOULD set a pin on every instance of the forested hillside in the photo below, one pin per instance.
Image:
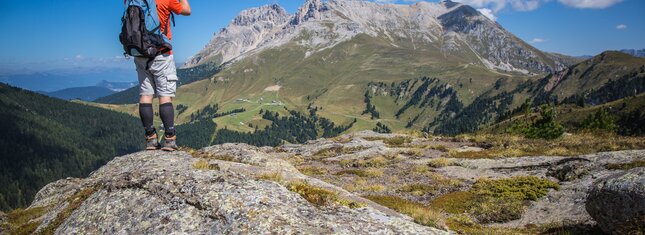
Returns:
(45, 139)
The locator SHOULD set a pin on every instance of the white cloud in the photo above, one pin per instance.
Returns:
(79, 57)
(537, 40)
(488, 13)
(524, 5)
(529, 5)
(621, 26)
(595, 4)
(384, 1)
(497, 5)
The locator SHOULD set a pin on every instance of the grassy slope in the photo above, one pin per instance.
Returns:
(333, 79)
(572, 115)
(594, 73)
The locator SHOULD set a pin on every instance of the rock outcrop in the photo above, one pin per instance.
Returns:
(617, 202)
(163, 193)
(321, 188)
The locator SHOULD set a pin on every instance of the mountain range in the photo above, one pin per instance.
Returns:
(450, 30)
(59, 79)
(634, 52)
(91, 93)
(439, 67)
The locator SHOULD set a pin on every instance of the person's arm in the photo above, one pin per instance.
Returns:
(185, 7)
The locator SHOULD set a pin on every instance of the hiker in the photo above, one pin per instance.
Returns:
(146, 36)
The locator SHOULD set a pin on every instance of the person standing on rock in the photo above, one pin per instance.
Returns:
(146, 36)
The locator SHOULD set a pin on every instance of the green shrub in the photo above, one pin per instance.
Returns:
(503, 200)
(499, 200)
(601, 120)
(546, 127)
(419, 189)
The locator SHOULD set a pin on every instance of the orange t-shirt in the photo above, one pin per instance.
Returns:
(164, 7)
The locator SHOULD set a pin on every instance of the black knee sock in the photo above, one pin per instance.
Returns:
(147, 118)
(167, 113)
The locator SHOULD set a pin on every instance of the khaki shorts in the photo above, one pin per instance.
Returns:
(160, 80)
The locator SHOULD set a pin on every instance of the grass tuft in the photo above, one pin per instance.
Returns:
(397, 141)
(441, 162)
(377, 162)
(74, 202)
(413, 152)
(369, 172)
(23, 221)
(205, 165)
(312, 170)
(271, 176)
(336, 151)
(626, 166)
(420, 169)
(420, 213)
(321, 197)
(315, 195)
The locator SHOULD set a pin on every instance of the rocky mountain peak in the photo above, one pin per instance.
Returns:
(449, 4)
(273, 13)
(310, 9)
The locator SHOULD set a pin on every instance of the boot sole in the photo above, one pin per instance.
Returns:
(169, 149)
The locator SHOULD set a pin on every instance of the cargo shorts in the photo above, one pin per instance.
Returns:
(160, 79)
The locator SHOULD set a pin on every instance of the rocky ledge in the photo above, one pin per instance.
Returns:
(163, 193)
(321, 188)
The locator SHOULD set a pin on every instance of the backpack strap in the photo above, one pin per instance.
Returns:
(147, 5)
(149, 63)
(172, 19)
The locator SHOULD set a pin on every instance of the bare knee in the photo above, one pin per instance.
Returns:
(145, 99)
(163, 100)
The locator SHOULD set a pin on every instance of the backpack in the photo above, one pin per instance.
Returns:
(141, 32)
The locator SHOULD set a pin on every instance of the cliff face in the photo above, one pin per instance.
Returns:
(163, 193)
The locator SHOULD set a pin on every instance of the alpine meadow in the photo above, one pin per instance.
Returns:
(345, 117)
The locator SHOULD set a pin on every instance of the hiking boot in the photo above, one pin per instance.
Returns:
(170, 143)
(152, 142)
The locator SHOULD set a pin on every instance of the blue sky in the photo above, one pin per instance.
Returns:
(73, 30)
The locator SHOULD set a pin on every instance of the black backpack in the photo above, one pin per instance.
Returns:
(141, 32)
